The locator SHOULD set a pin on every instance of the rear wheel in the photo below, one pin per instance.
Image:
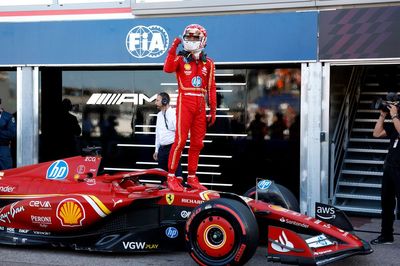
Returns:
(222, 232)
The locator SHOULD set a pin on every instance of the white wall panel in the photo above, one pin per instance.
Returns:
(351, 2)
(153, 7)
(25, 2)
(65, 2)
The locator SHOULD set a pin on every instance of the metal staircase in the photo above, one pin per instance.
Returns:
(360, 169)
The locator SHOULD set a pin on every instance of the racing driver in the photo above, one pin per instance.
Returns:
(196, 83)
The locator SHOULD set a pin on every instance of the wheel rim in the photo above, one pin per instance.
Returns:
(216, 236)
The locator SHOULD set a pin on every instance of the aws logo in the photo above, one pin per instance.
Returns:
(151, 41)
(324, 211)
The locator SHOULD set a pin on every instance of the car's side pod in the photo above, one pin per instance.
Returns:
(333, 216)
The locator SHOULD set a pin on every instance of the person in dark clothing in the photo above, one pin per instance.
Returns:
(222, 124)
(257, 128)
(294, 129)
(277, 127)
(256, 146)
(7, 134)
(69, 131)
(391, 174)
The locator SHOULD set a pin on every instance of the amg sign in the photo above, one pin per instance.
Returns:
(120, 98)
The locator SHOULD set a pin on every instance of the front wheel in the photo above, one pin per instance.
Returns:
(222, 232)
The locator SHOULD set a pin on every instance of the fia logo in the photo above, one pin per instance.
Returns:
(57, 170)
(151, 41)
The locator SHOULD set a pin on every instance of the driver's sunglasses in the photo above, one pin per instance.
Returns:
(191, 38)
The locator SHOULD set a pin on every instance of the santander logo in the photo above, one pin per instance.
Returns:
(284, 241)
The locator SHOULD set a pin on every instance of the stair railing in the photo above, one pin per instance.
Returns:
(341, 134)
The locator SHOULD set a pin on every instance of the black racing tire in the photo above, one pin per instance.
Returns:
(221, 232)
(290, 203)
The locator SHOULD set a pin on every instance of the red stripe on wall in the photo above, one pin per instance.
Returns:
(66, 12)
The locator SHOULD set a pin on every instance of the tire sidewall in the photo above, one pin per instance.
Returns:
(240, 218)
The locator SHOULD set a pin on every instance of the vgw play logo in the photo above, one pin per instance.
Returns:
(151, 41)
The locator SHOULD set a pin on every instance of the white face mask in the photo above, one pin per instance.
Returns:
(191, 46)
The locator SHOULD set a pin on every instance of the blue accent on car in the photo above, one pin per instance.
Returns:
(58, 170)
(264, 184)
(171, 232)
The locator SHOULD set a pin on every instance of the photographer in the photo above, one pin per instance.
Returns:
(391, 175)
(7, 133)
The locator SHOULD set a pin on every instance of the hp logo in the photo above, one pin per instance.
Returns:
(264, 184)
(57, 170)
(196, 81)
(171, 232)
(151, 41)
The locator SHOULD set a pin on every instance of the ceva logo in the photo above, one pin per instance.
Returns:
(151, 41)
(57, 170)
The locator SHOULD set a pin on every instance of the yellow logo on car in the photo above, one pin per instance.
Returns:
(70, 212)
(169, 198)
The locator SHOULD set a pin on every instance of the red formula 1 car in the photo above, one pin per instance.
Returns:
(66, 203)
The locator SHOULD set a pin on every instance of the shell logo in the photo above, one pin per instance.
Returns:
(70, 212)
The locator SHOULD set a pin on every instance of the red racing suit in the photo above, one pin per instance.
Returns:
(196, 83)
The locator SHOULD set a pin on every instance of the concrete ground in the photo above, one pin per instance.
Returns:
(383, 254)
(18, 256)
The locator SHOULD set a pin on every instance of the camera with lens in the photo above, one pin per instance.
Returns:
(391, 99)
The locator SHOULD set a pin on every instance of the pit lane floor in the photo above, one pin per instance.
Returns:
(18, 256)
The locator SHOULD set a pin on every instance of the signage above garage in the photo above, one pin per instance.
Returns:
(247, 38)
